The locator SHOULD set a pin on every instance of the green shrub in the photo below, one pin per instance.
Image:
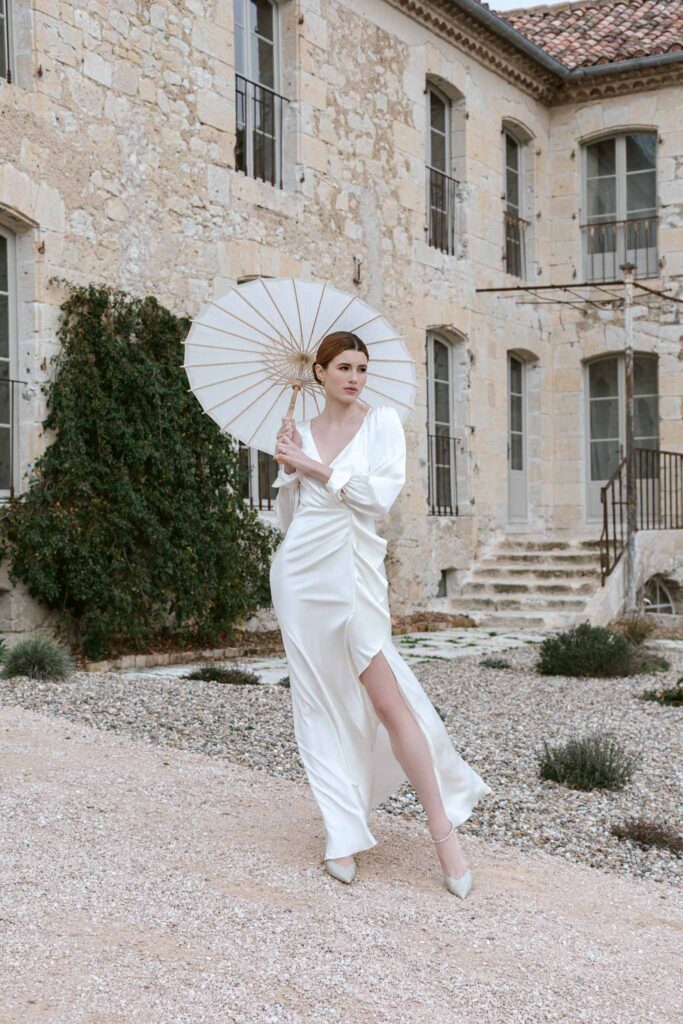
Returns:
(668, 695)
(134, 528)
(38, 657)
(494, 663)
(648, 833)
(585, 650)
(284, 682)
(596, 761)
(233, 674)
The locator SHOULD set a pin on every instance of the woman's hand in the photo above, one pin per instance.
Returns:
(287, 431)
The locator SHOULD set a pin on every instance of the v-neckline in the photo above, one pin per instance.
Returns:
(347, 445)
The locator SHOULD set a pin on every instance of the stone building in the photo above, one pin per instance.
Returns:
(428, 154)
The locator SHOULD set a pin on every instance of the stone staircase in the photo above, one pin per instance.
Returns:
(534, 584)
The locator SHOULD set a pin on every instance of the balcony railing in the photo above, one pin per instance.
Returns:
(443, 475)
(658, 476)
(515, 239)
(441, 197)
(258, 149)
(610, 244)
(9, 401)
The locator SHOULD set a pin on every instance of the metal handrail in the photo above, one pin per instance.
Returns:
(658, 476)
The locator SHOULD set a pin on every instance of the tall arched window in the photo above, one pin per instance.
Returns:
(620, 205)
(445, 159)
(445, 434)
(8, 386)
(517, 192)
(259, 114)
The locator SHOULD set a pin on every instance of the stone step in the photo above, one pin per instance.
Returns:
(541, 544)
(531, 602)
(518, 572)
(480, 588)
(510, 620)
(552, 559)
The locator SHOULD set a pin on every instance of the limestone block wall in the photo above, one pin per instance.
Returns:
(118, 147)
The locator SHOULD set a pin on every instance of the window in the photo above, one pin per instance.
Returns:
(620, 203)
(445, 434)
(514, 223)
(657, 600)
(259, 469)
(5, 41)
(441, 187)
(8, 386)
(259, 115)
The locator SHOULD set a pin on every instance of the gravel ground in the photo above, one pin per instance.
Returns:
(497, 719)
(147, 885)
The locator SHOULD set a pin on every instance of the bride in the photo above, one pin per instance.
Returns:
(362, 721)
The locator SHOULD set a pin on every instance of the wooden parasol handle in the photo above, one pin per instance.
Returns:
(296, 388)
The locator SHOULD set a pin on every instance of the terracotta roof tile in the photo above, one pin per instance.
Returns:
(592, 32)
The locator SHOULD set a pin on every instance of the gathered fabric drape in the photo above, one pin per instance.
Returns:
(330, 595)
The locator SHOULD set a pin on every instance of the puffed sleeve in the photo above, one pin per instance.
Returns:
(373, 493)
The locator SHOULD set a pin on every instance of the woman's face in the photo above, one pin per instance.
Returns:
(344, 376)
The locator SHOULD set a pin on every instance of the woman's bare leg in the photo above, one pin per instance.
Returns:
(411, 751)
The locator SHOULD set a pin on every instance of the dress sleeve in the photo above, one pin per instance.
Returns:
(287, 500)
(373, 493)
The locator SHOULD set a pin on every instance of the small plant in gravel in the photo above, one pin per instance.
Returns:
(596, 761)
(37, 657)
(494, 663)
(233, 674)
(649, 833)
(668, 695)
(586, 650)
(635, 626)
(284, 682)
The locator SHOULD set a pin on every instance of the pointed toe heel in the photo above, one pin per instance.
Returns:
(343, 872)
(459, 886)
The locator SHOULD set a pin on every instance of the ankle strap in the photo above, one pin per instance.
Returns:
(445, 837)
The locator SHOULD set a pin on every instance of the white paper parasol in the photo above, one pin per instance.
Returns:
(249, 355)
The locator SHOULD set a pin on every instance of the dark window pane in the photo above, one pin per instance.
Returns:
(437, 113)
(601, 158)
(646, 419)
(602, 197)
(440, 360)
(511, 153)
(515, 412)
(261, 18)
(645, 376)
(262, 62)
(5, 461)
(3, 264)
(604, 419)
(4, 327)
(437, 157)
(641, 192)
(516, 451)
(515, 376)
(603, 379)
(605, 457)
(442, 402)
(512, 189)
(640, 151)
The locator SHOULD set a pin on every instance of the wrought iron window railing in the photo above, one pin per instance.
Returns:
(443, 475)
(609, 244)
(515, 243)
(260, 119)
(441, 198)
(658, 478)
(259, 469)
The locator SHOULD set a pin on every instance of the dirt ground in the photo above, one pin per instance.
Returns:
(146, 884)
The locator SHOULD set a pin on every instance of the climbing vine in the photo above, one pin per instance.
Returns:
(134, 527)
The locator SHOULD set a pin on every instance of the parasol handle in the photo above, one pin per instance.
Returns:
(296, 388)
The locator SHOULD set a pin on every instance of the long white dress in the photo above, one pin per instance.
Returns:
(329, 591)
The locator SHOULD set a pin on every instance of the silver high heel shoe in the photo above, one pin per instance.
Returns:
(344, 872)
(458, 886)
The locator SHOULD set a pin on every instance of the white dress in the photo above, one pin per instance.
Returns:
(329, 592)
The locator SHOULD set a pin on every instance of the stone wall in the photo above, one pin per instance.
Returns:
(119, 167)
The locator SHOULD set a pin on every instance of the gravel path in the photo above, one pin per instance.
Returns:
(497, 718)
(148, 885)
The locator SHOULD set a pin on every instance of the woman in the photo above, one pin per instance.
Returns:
(362, 721)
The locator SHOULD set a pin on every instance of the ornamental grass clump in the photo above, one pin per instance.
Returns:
(595, 761)
(490, 662)
(37, 657)
(233, 674)
(648, 834)
(586, 650)
(670, 696)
